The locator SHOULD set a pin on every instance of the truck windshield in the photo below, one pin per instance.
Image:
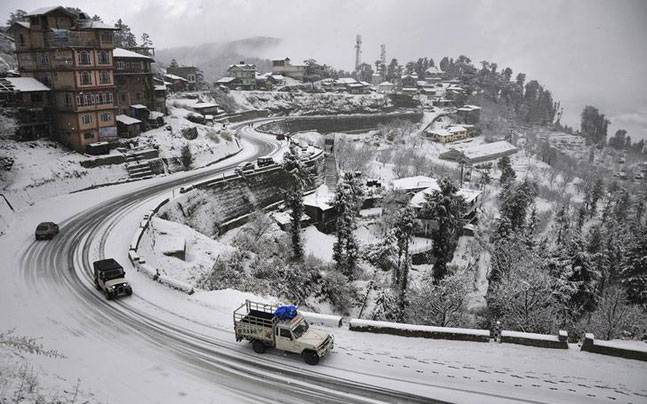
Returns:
(300, 329)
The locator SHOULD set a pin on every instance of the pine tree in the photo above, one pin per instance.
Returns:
(123, 37)
(515, 200)
(507, 172)
(146, 41)
(346, 248)
(403, 232)
(634, 269)
(295, 202)
(448, 210)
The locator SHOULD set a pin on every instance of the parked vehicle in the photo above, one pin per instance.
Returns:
(280, 137)
(261, 325)
(46, 231)
(110, 278)
(265, 161)
(245, 168)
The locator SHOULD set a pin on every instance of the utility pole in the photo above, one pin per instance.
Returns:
(358, 51)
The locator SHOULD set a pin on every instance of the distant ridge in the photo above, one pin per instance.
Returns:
(214, 58)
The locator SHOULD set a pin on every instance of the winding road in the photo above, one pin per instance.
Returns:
(154, 347)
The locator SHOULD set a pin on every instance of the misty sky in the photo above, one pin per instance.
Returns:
(585, 51)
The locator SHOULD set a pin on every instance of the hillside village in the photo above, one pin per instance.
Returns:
(429, 194)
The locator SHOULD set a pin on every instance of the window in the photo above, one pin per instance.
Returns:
(88, 135)
(84, 58)
(104, 59)
(86, 79)
(87, 99)
(285, 333)
(104, 77)
(106, 36)
(67, 99)
(86, 119)
(121, 65)
(36, 97)
(22, 40)
(43, 58)
(106, 116)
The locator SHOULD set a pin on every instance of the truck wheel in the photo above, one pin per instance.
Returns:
(259, 347)
(310, 357)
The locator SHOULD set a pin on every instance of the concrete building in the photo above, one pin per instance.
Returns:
(283, 67)
(447, 135)
(469, 114)
(72, 55)
(479, 153)
(189, 73)
(244, 76)
(134, 81)
(27, 101)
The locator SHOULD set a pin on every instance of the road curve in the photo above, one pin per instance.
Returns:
(62, 267)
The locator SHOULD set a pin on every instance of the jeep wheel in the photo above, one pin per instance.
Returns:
(259, 346)
(96, 285)
(108, 296)
(310, 357)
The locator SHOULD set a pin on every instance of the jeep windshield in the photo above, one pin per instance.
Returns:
(301, 329)
(112, 274)
(42, 227)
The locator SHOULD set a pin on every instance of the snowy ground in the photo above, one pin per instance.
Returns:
(170, 347)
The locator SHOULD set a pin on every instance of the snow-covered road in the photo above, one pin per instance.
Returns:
(163, 346)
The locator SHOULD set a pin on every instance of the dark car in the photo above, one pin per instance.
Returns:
(46, 231)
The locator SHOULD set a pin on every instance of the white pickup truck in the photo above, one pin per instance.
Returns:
(257, 323)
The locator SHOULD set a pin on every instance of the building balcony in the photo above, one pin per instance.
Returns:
(75, 39)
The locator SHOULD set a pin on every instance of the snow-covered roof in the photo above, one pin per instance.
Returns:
(469, 108)
(124, 53)
(174, 77)
(25, 24)
(201, 105)
(346, 80)
(418, 200)
(159, 87)
(385, 83)
(455, 129)
(92, 24)
(226, 80)
(322, 198)
(433, 70)
(155, 115)
(26, 84)
(411, 183)
(486, 149)
(243, 66)
(127, 120)
(47, 10)
(355, 85)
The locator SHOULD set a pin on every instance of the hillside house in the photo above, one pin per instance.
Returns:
(244, 76)
(283, 67)
(27, 100)
(469, 114)
(434, 74)
(72, 55)
(127, 126)
(175, 83)
(189, 73)
(319, 207)
(409, 81)
(447, 135)
(479, 153)
(134, 81)
(385, 87)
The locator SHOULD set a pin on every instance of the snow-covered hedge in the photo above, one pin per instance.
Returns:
(148, 270)
(613, 348)
(539, 340)
(175, 284)
(421, 331)
(325, 320)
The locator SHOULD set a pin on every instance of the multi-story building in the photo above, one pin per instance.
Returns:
(134, 81)
(72, 55)
(26, 99)
(190, 73)
(285, 68)
(244, 75)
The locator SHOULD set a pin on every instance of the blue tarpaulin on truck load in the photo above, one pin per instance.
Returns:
(286, 312)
